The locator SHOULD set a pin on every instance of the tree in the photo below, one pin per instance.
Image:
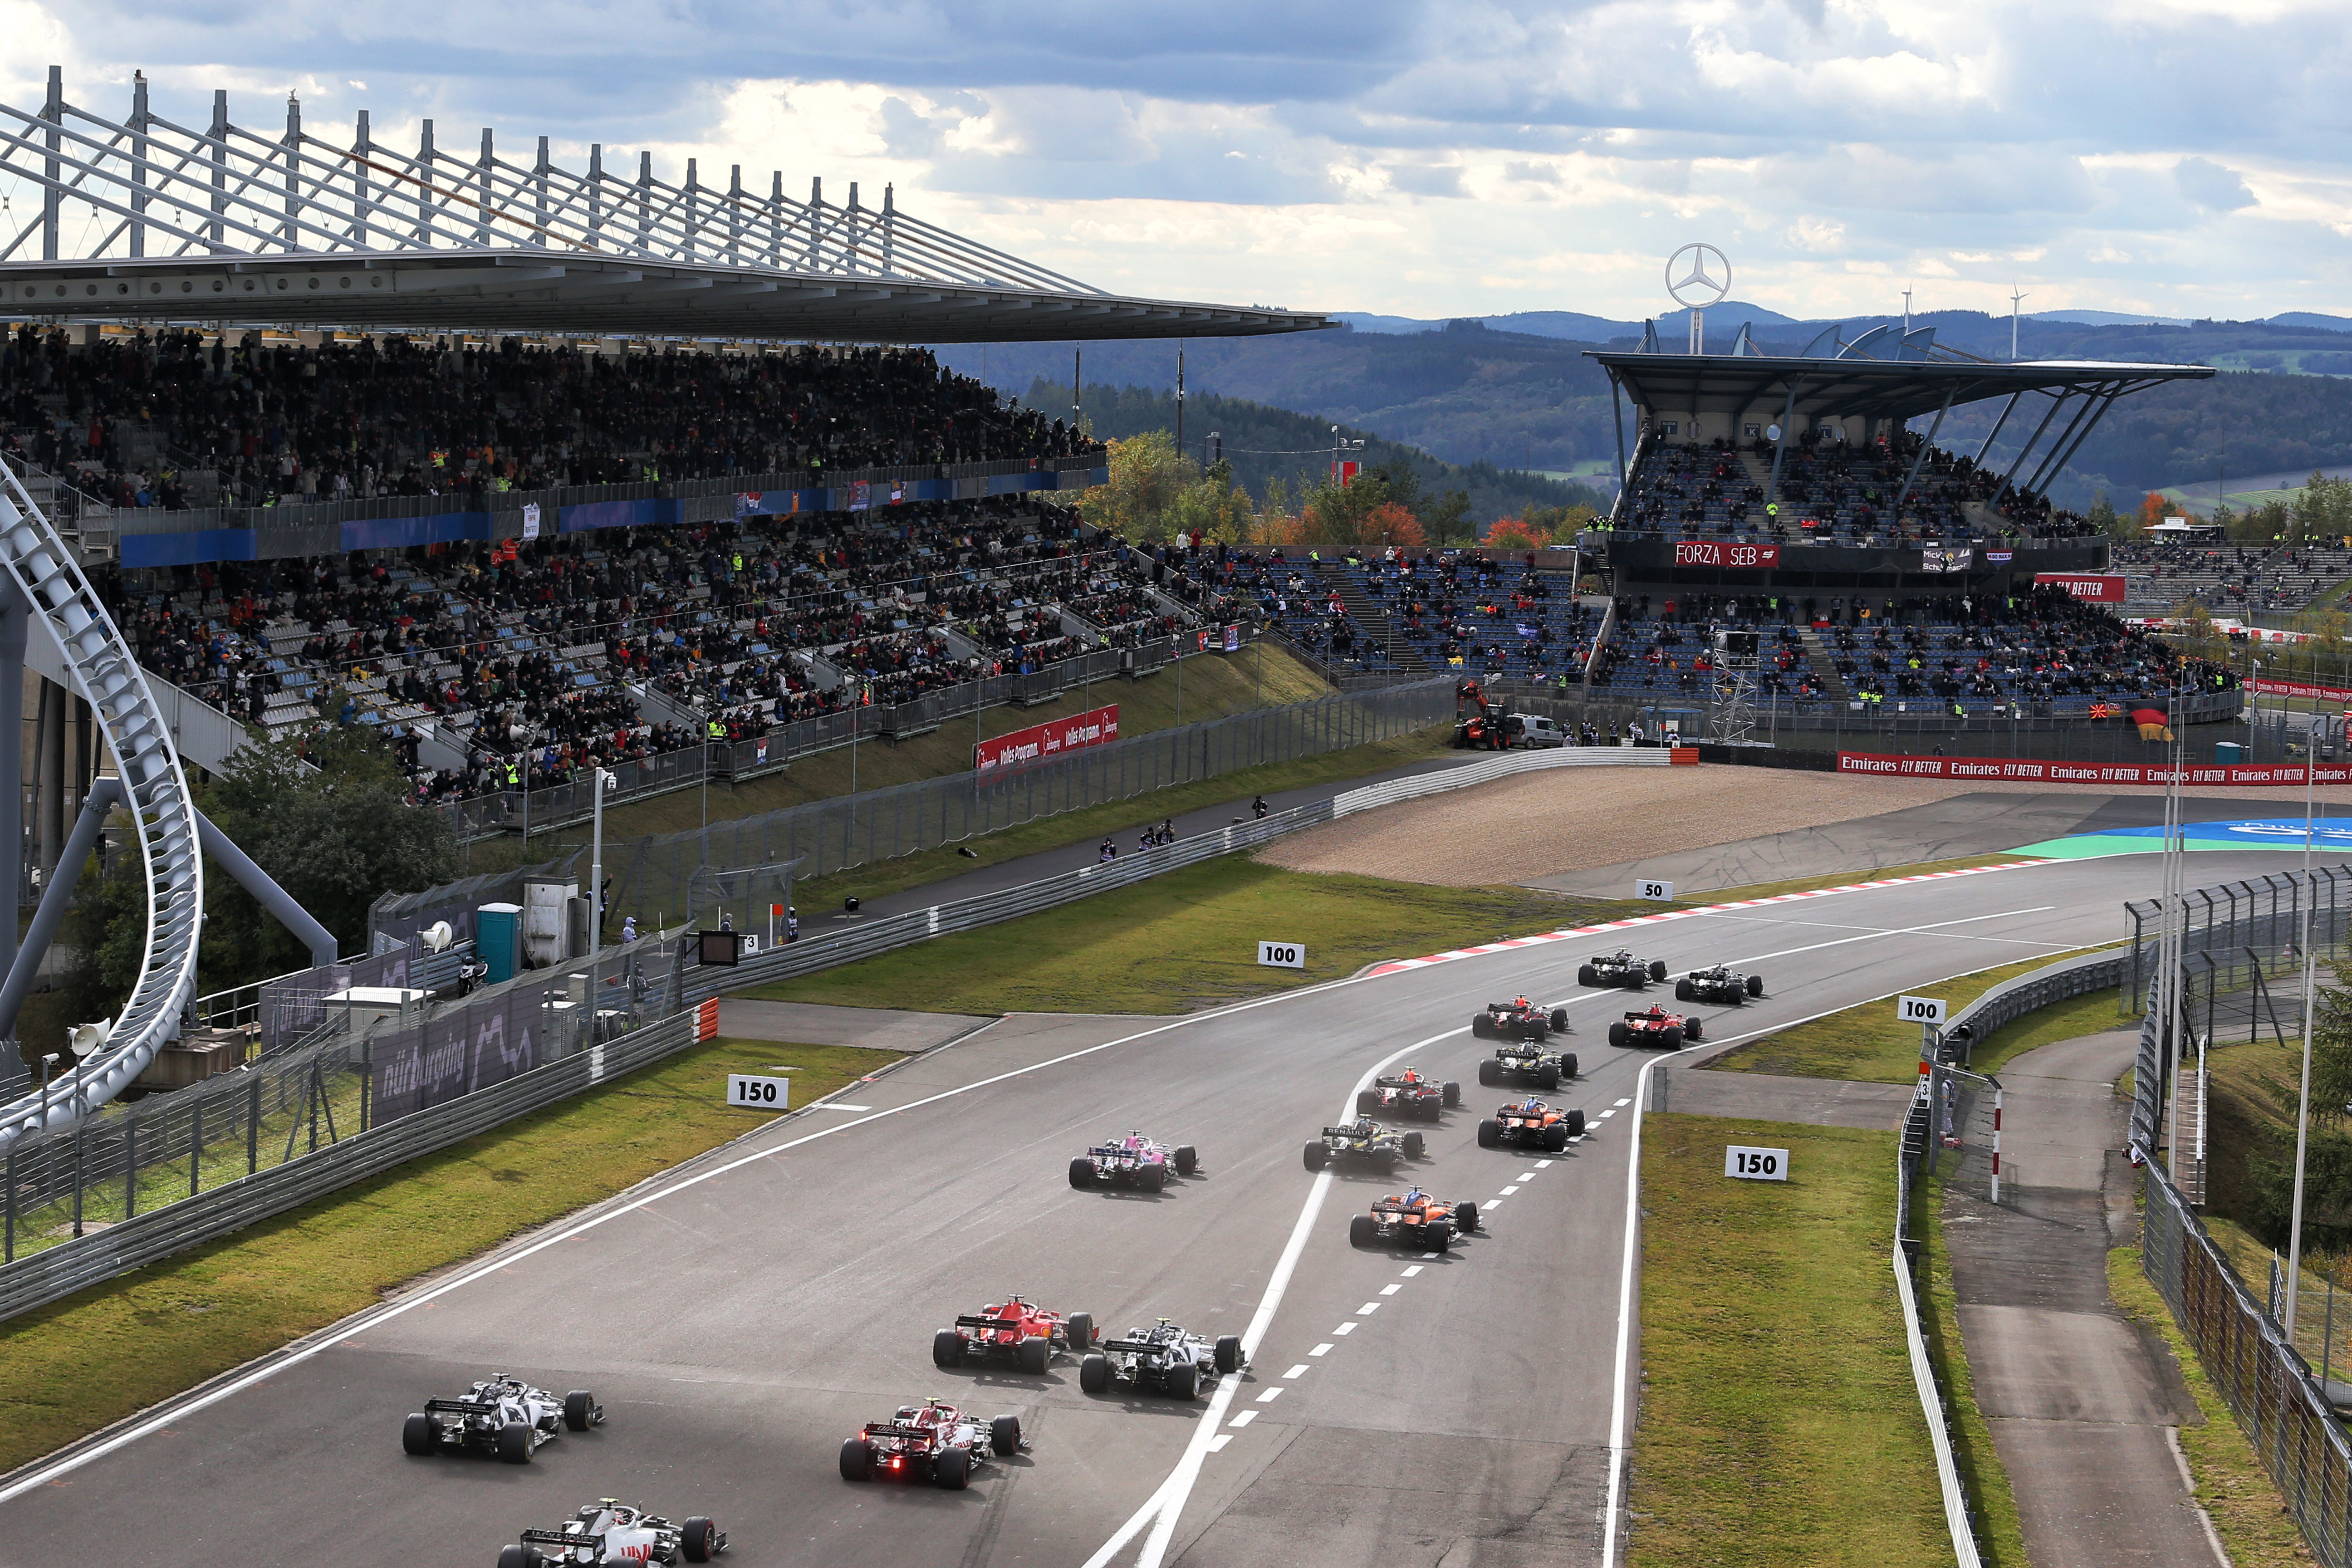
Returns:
(1146, 475)
(2153, 508)
(1447, 518)
(2104, 518)
(1511, 533)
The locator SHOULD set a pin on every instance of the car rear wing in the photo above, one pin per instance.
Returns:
(898, 1429)
(562, 1538)
(1348, 1134)
(988, 1325)
(1131, 1347)
(461, 1407)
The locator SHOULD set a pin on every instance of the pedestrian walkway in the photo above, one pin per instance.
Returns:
(2084, 1404)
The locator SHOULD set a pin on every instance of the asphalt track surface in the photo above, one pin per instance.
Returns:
(741, 1316)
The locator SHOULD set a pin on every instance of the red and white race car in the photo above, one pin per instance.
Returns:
(611, 1531)
(1133, 1161)
(1655, 1027)
(1408, 1092)
(1017, 1329)
(932, 1442)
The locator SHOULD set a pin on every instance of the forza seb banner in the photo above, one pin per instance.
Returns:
(2093, 587)
(2013, 768)
(1715, 553)
(1098, 727)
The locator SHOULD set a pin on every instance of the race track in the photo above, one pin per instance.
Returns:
(743, 1315)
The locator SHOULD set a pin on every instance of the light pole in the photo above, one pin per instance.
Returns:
(2302, 1104)
(596, 857)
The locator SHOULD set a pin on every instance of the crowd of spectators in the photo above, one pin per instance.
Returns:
(181, 417)
(2229, 579)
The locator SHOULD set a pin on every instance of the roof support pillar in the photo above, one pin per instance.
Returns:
(138, 163)
(2064, 443)
(1994, 435)
(482, 178)
(2065, 453)
(1913, 476)
(362, 192)
(53, 112)
(595, 196)
(538, 197)
(2056, 404)
(1780, 447)
(218, 156)
(776, 218)
(426, 155)
(293, 230)
(1617, 407)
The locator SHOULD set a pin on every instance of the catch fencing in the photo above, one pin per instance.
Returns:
(652, 877)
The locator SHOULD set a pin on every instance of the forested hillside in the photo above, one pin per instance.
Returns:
(1267, 446)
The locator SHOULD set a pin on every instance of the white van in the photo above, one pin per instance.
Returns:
(1535, 729)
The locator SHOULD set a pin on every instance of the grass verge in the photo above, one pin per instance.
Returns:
(1867, 1044)
(1778, 1409)
(1187, 940)
(2227, 1476)
(2001, 1536)
(1121, 819)
(116, 1347)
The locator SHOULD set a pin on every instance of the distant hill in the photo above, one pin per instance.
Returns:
(1263, 444)
(1579, 327)
(2106, 319)
(2309, 318)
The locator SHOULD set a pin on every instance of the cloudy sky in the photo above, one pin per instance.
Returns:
(2182, 157)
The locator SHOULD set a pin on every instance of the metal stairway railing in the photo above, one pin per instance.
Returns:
(102, 665)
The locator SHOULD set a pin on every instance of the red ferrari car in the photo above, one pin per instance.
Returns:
(1655, 1027)
(1014, 1327)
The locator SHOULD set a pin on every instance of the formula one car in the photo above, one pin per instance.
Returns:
(1413, 1219)
(932, 1441)
(1407, 1093)
(1530, 1124)
(1366, 1141)
(1017, 1329)
(500, 1415)
(1619, 968)
(608, 1530)
(1525, 1062)
(1133, 1161)
(1655, 1027)
(1719, 984)
(1517, 1020)
(1163, 1357)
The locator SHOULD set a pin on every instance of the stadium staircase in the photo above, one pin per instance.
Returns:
(1825, 669)
(164, 818)
(1374, 620)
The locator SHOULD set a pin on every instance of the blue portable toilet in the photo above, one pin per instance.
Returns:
(2229, 751)
(498, 941)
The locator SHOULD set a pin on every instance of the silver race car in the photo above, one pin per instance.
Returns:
(500, 1415)
(609, 1531)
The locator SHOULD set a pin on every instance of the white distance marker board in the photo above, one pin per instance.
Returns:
(1756, 1164)
(1282, 955)
(754, 1093)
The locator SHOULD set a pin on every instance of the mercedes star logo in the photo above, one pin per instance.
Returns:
(1705, 284)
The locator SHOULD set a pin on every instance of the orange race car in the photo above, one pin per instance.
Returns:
(1532, 1124)
(1413, 1219)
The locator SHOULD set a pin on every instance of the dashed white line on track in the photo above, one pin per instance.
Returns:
(1345, 1329)
(1298, 1371)
(1217, 1443)
(1325, 1348)
(1622, 1103)
(1413, 1270)
(1543, 1164)
(1368, 1308)
(1244, 1419)
(1271, 1394)
(1508, 1191)
(1390, 1289)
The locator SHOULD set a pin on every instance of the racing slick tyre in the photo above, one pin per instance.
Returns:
(1081, 1173)
(1151, 1178)
(1555, 1137)
(1755, 985)
(1635, 981)
(1415, 1146)
(1559, 1020)
(1032, 1355)
(1188, 1159)
(1080, 1328)
(1367, 1101)
(514, 1443)
(1567, 1066)
(1004, 1435)
(698, 1540)
(417, 1435)
(1671, 1037)
(1585, 976)
(1489, 1074)
(1736, 996)
(1574, 1121)
(1437, 1237)
(1489, 1135)
(521, 1557)
(1548, 1080)
(1467, 1217)
(1317, 1156)
(1617, 1034)
(1094, 1374)
(1479, 1027)
(951, 1470)
(1690, 1029)
(1182, 1382)
(1229, 1352)
(947, 1347)
(580, 1410)
(1387, 1159)
(1682, 990)
(1450, 1094)
(1657, 969)
(1360, 1231)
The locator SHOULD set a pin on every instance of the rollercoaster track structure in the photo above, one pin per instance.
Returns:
(61, 600)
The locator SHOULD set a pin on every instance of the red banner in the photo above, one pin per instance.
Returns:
(1715, 553)
(2098, 587)
(2300, 689)
(1097, 728)
(2020, 769)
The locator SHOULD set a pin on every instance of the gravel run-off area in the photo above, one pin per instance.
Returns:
(1575, 819)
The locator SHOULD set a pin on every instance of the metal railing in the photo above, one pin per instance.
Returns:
(358, 1137)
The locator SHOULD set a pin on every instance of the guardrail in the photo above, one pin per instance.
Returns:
(48, 1276)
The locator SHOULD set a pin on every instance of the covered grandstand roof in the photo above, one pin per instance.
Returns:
(143, 218)
(1845, 387)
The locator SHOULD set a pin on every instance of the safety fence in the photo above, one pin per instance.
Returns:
(651, 876)
(352, 1086)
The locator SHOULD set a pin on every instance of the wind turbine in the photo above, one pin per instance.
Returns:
(1906, 310)
(2014, 297)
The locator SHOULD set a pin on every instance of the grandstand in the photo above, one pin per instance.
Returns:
(2228, 580)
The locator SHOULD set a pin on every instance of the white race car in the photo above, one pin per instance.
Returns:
(502, 1415)
(609, 1531)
